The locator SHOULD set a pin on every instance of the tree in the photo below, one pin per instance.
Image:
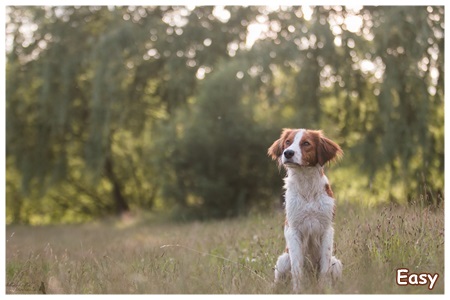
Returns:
(98, 74)
(216, 158)
(108, 87)
(377, 84)
(411, 97)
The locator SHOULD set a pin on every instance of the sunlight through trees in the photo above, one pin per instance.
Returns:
(171, 109)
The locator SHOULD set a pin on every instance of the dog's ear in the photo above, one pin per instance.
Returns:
(327, 150)
(275, 150)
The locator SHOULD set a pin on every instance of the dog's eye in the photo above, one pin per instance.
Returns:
(288, 142)
(306, 144)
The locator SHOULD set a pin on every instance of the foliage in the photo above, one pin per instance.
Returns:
(111, 109)
(217, 155)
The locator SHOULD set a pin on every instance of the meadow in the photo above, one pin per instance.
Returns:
(139, 255)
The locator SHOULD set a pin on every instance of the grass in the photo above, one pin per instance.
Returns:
(136, 256)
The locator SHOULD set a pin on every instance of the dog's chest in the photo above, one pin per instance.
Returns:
(308, 206)
(311, 216)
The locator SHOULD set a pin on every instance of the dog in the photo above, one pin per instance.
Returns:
(309, 207)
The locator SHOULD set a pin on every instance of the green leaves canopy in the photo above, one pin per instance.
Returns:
(163, 107)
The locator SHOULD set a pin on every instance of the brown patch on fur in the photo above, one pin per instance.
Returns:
(327, 150)
(330, 194)
(286, 250)
(328, 190)
(308, 145)
(316, 148)
(286, 138)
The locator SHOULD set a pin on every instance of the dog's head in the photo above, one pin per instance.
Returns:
(303, 148)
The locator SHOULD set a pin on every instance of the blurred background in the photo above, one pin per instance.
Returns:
(170, 110)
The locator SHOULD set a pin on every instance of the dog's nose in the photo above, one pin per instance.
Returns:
(289, 154)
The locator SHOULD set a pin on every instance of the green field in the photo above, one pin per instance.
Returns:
(140, 256)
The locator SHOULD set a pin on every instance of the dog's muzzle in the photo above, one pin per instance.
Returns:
(288, 154)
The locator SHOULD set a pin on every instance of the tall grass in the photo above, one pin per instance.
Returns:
(220, 257)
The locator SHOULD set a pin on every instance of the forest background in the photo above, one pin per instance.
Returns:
(169, 110)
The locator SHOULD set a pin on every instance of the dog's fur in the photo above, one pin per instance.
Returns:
(309, 206)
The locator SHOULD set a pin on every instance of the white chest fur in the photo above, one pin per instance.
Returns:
(308, 206)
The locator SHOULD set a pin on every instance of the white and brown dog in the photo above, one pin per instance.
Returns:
(309, 205)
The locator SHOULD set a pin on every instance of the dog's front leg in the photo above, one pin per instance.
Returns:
(293, 242)
(325, 256)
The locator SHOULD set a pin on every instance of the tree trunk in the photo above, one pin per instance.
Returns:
(120, 201)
